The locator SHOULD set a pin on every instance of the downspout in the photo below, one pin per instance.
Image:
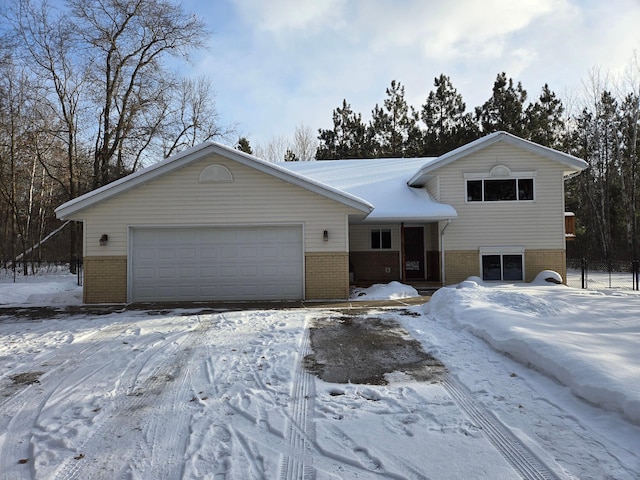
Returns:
(442, 251)
(403, 260)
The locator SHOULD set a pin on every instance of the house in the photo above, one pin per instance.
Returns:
(215, 224)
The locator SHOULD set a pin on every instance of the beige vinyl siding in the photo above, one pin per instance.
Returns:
(253, 198)
(534, 225)
(433, 187)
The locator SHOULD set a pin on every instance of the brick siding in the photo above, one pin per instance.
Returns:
(370, 267)
(326, 275)
(105, 279)
(536, 261)
(461, 264)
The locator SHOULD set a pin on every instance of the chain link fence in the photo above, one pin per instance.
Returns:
(603, 274)
(10, 272)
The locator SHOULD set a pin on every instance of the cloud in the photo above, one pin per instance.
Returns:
(281, 16)
(278, 63)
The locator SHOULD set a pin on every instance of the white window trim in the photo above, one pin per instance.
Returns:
(503, 250)
(381, 229)
(499, 172)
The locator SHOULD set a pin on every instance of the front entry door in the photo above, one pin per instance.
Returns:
(414, 252)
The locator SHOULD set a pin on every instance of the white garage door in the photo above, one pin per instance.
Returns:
(205, 264)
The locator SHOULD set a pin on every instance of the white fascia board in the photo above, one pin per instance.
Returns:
(408, 219)
(194, 154)
(575, 164)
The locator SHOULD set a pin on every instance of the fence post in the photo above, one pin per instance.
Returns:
(78, 265)
(583, 265)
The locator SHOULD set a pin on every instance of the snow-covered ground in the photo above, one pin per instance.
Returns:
(223, 395)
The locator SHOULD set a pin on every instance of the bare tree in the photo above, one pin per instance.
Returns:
(275, 150)
(47, 45)
(24, 186)
(126, 41)
(305, 143)
(102, 96)
(193, 119)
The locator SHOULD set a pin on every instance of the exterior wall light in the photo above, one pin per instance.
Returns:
(104, 239)
(325, 236)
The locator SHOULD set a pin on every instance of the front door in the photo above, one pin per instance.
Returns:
(414, 252)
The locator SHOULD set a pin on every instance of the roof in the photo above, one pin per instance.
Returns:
(572, 164)
(197, 153)
(384, 189)
(381, 182)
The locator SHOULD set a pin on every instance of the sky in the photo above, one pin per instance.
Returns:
(280, 64)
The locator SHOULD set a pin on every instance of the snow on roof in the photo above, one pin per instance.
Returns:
(382, 182)
(194, 154)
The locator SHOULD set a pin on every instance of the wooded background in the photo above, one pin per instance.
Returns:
(91, 92)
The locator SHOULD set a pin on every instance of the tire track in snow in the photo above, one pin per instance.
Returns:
(519, 456)
(19, 413)
(298, 431)
(159, 371)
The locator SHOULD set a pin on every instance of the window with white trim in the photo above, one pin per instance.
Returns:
(499, 185)
(502, 264)
(380, 239)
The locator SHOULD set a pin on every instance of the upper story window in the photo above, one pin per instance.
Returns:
(380, 239)
(500, 185)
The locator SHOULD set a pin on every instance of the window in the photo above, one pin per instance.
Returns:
(500, 185)
(505, 267)
(488, 190)
(380, 239)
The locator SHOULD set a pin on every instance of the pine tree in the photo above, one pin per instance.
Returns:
(289, 156)
(447, 123)
(544, 122)
(244, 146)
(347, 139)
(505, 109)
(391, 124)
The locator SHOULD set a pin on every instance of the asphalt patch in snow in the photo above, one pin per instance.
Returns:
(351, 349)
(26, 378)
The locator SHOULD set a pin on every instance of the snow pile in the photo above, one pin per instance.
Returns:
(586, 340)
(384, 291)
(41, 291)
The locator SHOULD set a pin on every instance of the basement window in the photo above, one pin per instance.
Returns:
(380, 239)
(502, 264)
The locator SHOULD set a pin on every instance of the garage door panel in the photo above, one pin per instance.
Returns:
(186, 254)
(249, 252)
(166, 253)
(228, 271)
(187, 273)
(228, 252)
(248, 236)
(208, 252)
(270, 271)
(208, 272)
(166, 272)
(286, 271)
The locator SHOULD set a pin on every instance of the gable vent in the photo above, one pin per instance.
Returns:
(215, 173)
